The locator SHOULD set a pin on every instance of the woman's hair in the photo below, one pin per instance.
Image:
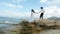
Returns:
(41, 7)
(32, 10)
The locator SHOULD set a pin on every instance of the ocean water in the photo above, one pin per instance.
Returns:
(6, 28)
(4, 25)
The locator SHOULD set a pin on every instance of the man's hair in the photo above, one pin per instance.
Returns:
(41, 7)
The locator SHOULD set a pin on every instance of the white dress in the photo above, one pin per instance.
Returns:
(33, 17)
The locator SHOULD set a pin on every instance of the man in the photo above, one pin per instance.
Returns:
(42, 12)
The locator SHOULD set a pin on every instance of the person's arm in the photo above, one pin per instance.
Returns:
(38, 12)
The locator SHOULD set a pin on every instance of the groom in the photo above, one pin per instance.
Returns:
(42, 12)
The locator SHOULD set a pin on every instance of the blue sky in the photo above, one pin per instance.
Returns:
(22, 8)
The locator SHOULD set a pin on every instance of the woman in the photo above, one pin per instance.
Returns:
(32, 15)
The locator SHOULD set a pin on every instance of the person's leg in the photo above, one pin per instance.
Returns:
(42, 15)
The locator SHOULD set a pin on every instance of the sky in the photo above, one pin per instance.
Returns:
(22, 8)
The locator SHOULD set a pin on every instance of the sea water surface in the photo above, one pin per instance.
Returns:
(6, 28)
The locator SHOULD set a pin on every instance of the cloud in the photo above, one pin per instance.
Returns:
(13, 6)
(51, 2)
(14, 14)
(54, 2)
(18, 1)
(43, 1)
(52, 11)
(20, 6)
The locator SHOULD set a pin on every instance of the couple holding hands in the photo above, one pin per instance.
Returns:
(41, 11)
